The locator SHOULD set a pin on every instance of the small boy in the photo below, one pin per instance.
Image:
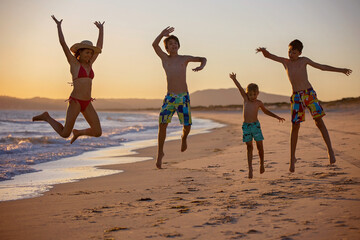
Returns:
(251, 126)
(177, 97)
(303, 94)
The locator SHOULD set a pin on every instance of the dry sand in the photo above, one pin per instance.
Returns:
(204, 193)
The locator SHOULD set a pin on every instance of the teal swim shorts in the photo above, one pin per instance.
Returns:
(252, 130)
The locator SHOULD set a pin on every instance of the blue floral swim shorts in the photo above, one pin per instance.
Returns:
(179, 103)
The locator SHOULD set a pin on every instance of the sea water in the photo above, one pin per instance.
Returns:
(33, 157)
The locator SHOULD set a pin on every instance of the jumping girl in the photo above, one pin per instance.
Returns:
(84, 55)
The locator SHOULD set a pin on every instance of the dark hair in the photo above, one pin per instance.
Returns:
(166, 40)
(252, 87)
(77, 54)
(296, 45)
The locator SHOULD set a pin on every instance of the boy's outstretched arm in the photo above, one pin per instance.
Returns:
(271, 114)
(242, 91)
(323, 67)
(270, 56)
(164, 33)
(197, 59)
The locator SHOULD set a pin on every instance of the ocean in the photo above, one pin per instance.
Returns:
(33, 157)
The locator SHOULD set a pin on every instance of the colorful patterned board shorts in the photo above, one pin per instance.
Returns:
(179, 103)
(252, 130)
(305, 99)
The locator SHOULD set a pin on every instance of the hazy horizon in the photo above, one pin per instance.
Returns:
(225, 32)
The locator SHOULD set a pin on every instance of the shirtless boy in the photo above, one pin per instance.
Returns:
(303, 95)
(251, 126)
(177, 97)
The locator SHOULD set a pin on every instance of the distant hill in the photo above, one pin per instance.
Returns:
(206, 98)
(230, 96)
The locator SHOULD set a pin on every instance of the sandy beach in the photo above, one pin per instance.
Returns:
(204, 193)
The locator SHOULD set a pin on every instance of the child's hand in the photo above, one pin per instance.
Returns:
(197, 69)
(57, 22)
(261, 49)
(232, 76)
(99, 24)
(346, 71)
(281, 119)
(166, 32)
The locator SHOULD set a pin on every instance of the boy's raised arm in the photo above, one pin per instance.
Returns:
(269, 55)
(271, 114)
(166, 32)
(323, 67)
(242, 91)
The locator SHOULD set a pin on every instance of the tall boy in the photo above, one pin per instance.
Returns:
(251, 126)
(177, 97)
(303, 94)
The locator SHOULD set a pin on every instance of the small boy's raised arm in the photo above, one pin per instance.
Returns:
(271, 114)
(164, 33)
(269, 55)
(323, 67)
(242, 91)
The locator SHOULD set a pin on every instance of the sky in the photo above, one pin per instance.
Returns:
(226, 32)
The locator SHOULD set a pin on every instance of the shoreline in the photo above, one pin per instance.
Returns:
(204, 193)
(88, 164)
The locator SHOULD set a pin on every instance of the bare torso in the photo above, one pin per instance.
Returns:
(82, 86)
(297, 74)
(175, 69)
(250, 111)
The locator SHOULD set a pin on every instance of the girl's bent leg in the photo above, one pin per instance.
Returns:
(92, 118)
(72, 112)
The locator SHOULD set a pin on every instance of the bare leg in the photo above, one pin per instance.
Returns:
(186, 131)
(161, 141)
(249, 146)
(293, 141)
(325, 134)
(73, 111)
(260, 147)
(92, 118)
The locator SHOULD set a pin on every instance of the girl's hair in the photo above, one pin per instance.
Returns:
(77, 54)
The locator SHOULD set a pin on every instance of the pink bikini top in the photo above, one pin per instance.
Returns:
(83, 74)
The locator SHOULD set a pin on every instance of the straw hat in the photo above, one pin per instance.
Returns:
(85, 44)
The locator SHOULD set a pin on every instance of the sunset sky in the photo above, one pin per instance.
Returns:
(226, 32)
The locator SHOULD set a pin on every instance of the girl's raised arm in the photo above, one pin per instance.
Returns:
(68, 54)
(100, 40)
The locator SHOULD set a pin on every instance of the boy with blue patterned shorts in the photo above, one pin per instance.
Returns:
(304, 95)
(177, 98)
(251, 126)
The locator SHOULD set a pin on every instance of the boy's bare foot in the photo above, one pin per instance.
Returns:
(159, 160)
(332, 157)
(183, 144)
(250, 173)
(292, 165)
(42, 117)
(75, 136)
(262, 168)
